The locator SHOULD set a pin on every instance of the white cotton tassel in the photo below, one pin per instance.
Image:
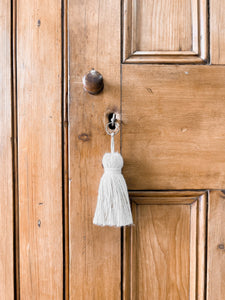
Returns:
(113, 205)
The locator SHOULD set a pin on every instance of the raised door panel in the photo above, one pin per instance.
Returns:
(164, 252)
(171, 31)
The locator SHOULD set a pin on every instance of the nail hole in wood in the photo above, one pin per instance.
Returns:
(221, 246)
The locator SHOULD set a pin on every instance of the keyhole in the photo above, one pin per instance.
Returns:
(110, 115)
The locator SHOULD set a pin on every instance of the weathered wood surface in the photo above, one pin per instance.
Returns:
(216, 246)
(217, 32)
(164, 253)
(40, 149)
(161, 31)
(94, 35)
(172, 138)
(173, 133)
(6, 187)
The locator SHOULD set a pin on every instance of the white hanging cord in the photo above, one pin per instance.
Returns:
(112, 143)
(112, 132)
(113, 120)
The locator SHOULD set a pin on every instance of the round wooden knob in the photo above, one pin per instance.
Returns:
(93, 82)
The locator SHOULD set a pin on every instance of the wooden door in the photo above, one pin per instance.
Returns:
(162, 63)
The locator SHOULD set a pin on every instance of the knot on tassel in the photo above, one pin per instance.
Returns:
(113, 170)
(112, 161)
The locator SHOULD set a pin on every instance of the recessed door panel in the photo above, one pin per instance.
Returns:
(165, 249)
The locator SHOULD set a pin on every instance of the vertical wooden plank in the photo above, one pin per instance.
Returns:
(94, 36)
(6, 202)
(40, 148)
(201, 246)
(127, 260)
(216, 246)
(15, 152)
(193, 250)
(65, 147)
(133, 262)
(217, 32)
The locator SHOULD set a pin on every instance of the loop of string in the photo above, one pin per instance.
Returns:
(112, 143)
(110, 131)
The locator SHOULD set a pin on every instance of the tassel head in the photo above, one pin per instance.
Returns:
(112, 162)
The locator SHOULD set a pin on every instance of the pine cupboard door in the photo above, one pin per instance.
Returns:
(164, 75)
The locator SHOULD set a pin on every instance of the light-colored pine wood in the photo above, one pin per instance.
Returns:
(155, 195)
(173, 133)
(193, 251)
(151, 58)
(94, 35)
(173, 138)
(165, 200)
(201, 248)
(165, 31)
(216, 246)
(6, 186)
(164, 252)
(163, 237)
(40, 149)
(217, 32)
(66, 147)
(15, 149)
(164, 25)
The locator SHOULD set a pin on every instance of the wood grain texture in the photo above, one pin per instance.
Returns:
(217, 32)
(66, 148)
(15, 151)
(173, 133)
(164, 252)
(216, 246)
(153, 58)
(165, 31)
(40, 149)
(94, 34)
(163, 264)
(6, 187)
(164, 25)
